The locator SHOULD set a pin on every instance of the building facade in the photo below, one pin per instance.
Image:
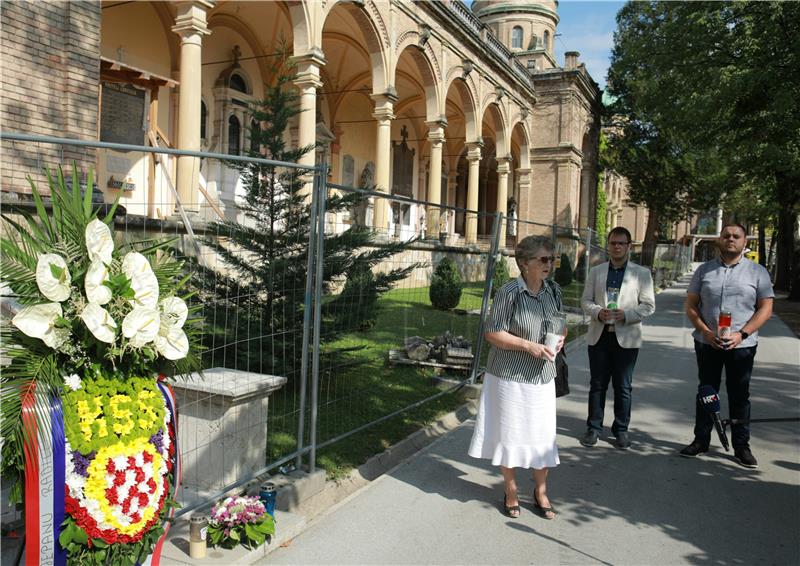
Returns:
(472, 99)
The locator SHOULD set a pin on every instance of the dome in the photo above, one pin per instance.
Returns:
(483, 8)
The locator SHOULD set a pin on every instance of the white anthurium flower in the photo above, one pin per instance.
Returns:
(99, 242)
(173, 344)
(173, 312)
(96, 292)
(38, 321)
(99, 322)
(141, 326)
(143, 281)
(52, 277)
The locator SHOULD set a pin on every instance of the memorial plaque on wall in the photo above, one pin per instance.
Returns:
(122, 114)
(403, 167)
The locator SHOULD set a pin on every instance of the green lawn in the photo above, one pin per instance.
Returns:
(360, 386)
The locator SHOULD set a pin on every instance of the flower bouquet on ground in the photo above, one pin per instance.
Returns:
(240, 520)
(88, 429)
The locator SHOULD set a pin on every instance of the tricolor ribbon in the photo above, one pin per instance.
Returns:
(43, 448)
(169, 399)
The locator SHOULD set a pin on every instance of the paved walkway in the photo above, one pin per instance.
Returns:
(642, 506)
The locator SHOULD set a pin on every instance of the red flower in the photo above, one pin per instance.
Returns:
(147, 457)
(111, 495)
(110, 468)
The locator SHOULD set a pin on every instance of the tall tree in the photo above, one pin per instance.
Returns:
(255, 304)
(721, 77)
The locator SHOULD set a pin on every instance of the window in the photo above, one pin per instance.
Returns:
(203, 119)
(516, 38)
(547, 40)
(531, 64)
(234, 136)
(237, 83)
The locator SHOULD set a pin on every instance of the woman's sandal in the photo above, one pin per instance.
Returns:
(548, 513)
(512, 511)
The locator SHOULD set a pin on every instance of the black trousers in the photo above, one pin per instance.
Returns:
(738, 365)
(610, 362)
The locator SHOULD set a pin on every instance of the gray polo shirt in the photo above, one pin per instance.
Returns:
(736, 288)
(519, 312)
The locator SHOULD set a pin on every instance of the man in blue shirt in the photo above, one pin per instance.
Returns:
(732, 283)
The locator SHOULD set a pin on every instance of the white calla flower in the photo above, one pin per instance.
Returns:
(54, 287)
(173, 345)
(73, 381)
(141, 326)
(96, 292)
(38, 321)
(99, 322)
(143, 281)
(173, 312)
(99, 242)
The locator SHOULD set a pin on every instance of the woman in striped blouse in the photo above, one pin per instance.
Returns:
(516, 423)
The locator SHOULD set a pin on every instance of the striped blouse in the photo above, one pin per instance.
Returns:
(519, 312)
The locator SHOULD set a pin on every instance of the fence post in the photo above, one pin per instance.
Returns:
(307, 305)
(588, 255)
(322, 187)
(487, 291)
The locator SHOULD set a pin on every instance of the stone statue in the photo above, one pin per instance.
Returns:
(511, 227)
(362, 212)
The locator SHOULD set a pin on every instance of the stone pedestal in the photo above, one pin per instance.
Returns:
(222, 428)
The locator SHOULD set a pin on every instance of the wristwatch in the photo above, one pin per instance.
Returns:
(744, 334)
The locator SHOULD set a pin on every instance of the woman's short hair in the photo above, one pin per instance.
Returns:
(529, 246)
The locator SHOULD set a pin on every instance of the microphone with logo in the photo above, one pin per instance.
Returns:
(709, 400)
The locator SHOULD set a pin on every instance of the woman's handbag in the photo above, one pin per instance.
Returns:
(562, 374)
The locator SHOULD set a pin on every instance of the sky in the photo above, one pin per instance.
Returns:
(588, 27)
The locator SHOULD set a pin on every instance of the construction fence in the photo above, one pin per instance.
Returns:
(319, 308)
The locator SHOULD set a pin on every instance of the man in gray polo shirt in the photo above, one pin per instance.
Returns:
(736, 284)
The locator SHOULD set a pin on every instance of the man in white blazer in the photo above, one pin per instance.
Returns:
(615, 334)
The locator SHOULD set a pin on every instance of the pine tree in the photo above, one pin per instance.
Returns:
(257, 299)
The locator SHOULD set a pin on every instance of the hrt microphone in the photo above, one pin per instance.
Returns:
(709, 400)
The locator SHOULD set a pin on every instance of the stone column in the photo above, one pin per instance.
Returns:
(190, 25)
(523, 197)
(474, 159)
(307, 82)
(384, 114)
(436, 139)
(503, 169)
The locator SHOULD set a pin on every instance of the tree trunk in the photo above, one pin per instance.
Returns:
(762, 244)
(787, 215)
(650, 237)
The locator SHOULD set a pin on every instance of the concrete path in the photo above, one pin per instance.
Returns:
(645, 505)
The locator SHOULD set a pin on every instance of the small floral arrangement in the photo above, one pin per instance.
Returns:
(239, 520)
(95, 325)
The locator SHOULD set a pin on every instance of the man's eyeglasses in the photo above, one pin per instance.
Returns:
(618, 243)
(546, 258)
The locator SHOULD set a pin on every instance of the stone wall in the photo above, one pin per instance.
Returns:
(51, 73)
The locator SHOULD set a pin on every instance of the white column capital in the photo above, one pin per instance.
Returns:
(190, 23)
(503, 165)
(308, 68)
(474, 150)
(384, 106)
(436, 130)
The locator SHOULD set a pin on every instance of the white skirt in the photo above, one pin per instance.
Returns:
(516, 424)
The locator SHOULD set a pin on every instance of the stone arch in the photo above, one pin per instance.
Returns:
(167, 21)
(429, 78)
(301, 21)
(467, 95)
(495, 110)
(369, 20)
(521, 137)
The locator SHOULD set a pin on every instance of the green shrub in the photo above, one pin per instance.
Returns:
(563, 275)
(501, 274)
(445, 291)
(357, 306)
